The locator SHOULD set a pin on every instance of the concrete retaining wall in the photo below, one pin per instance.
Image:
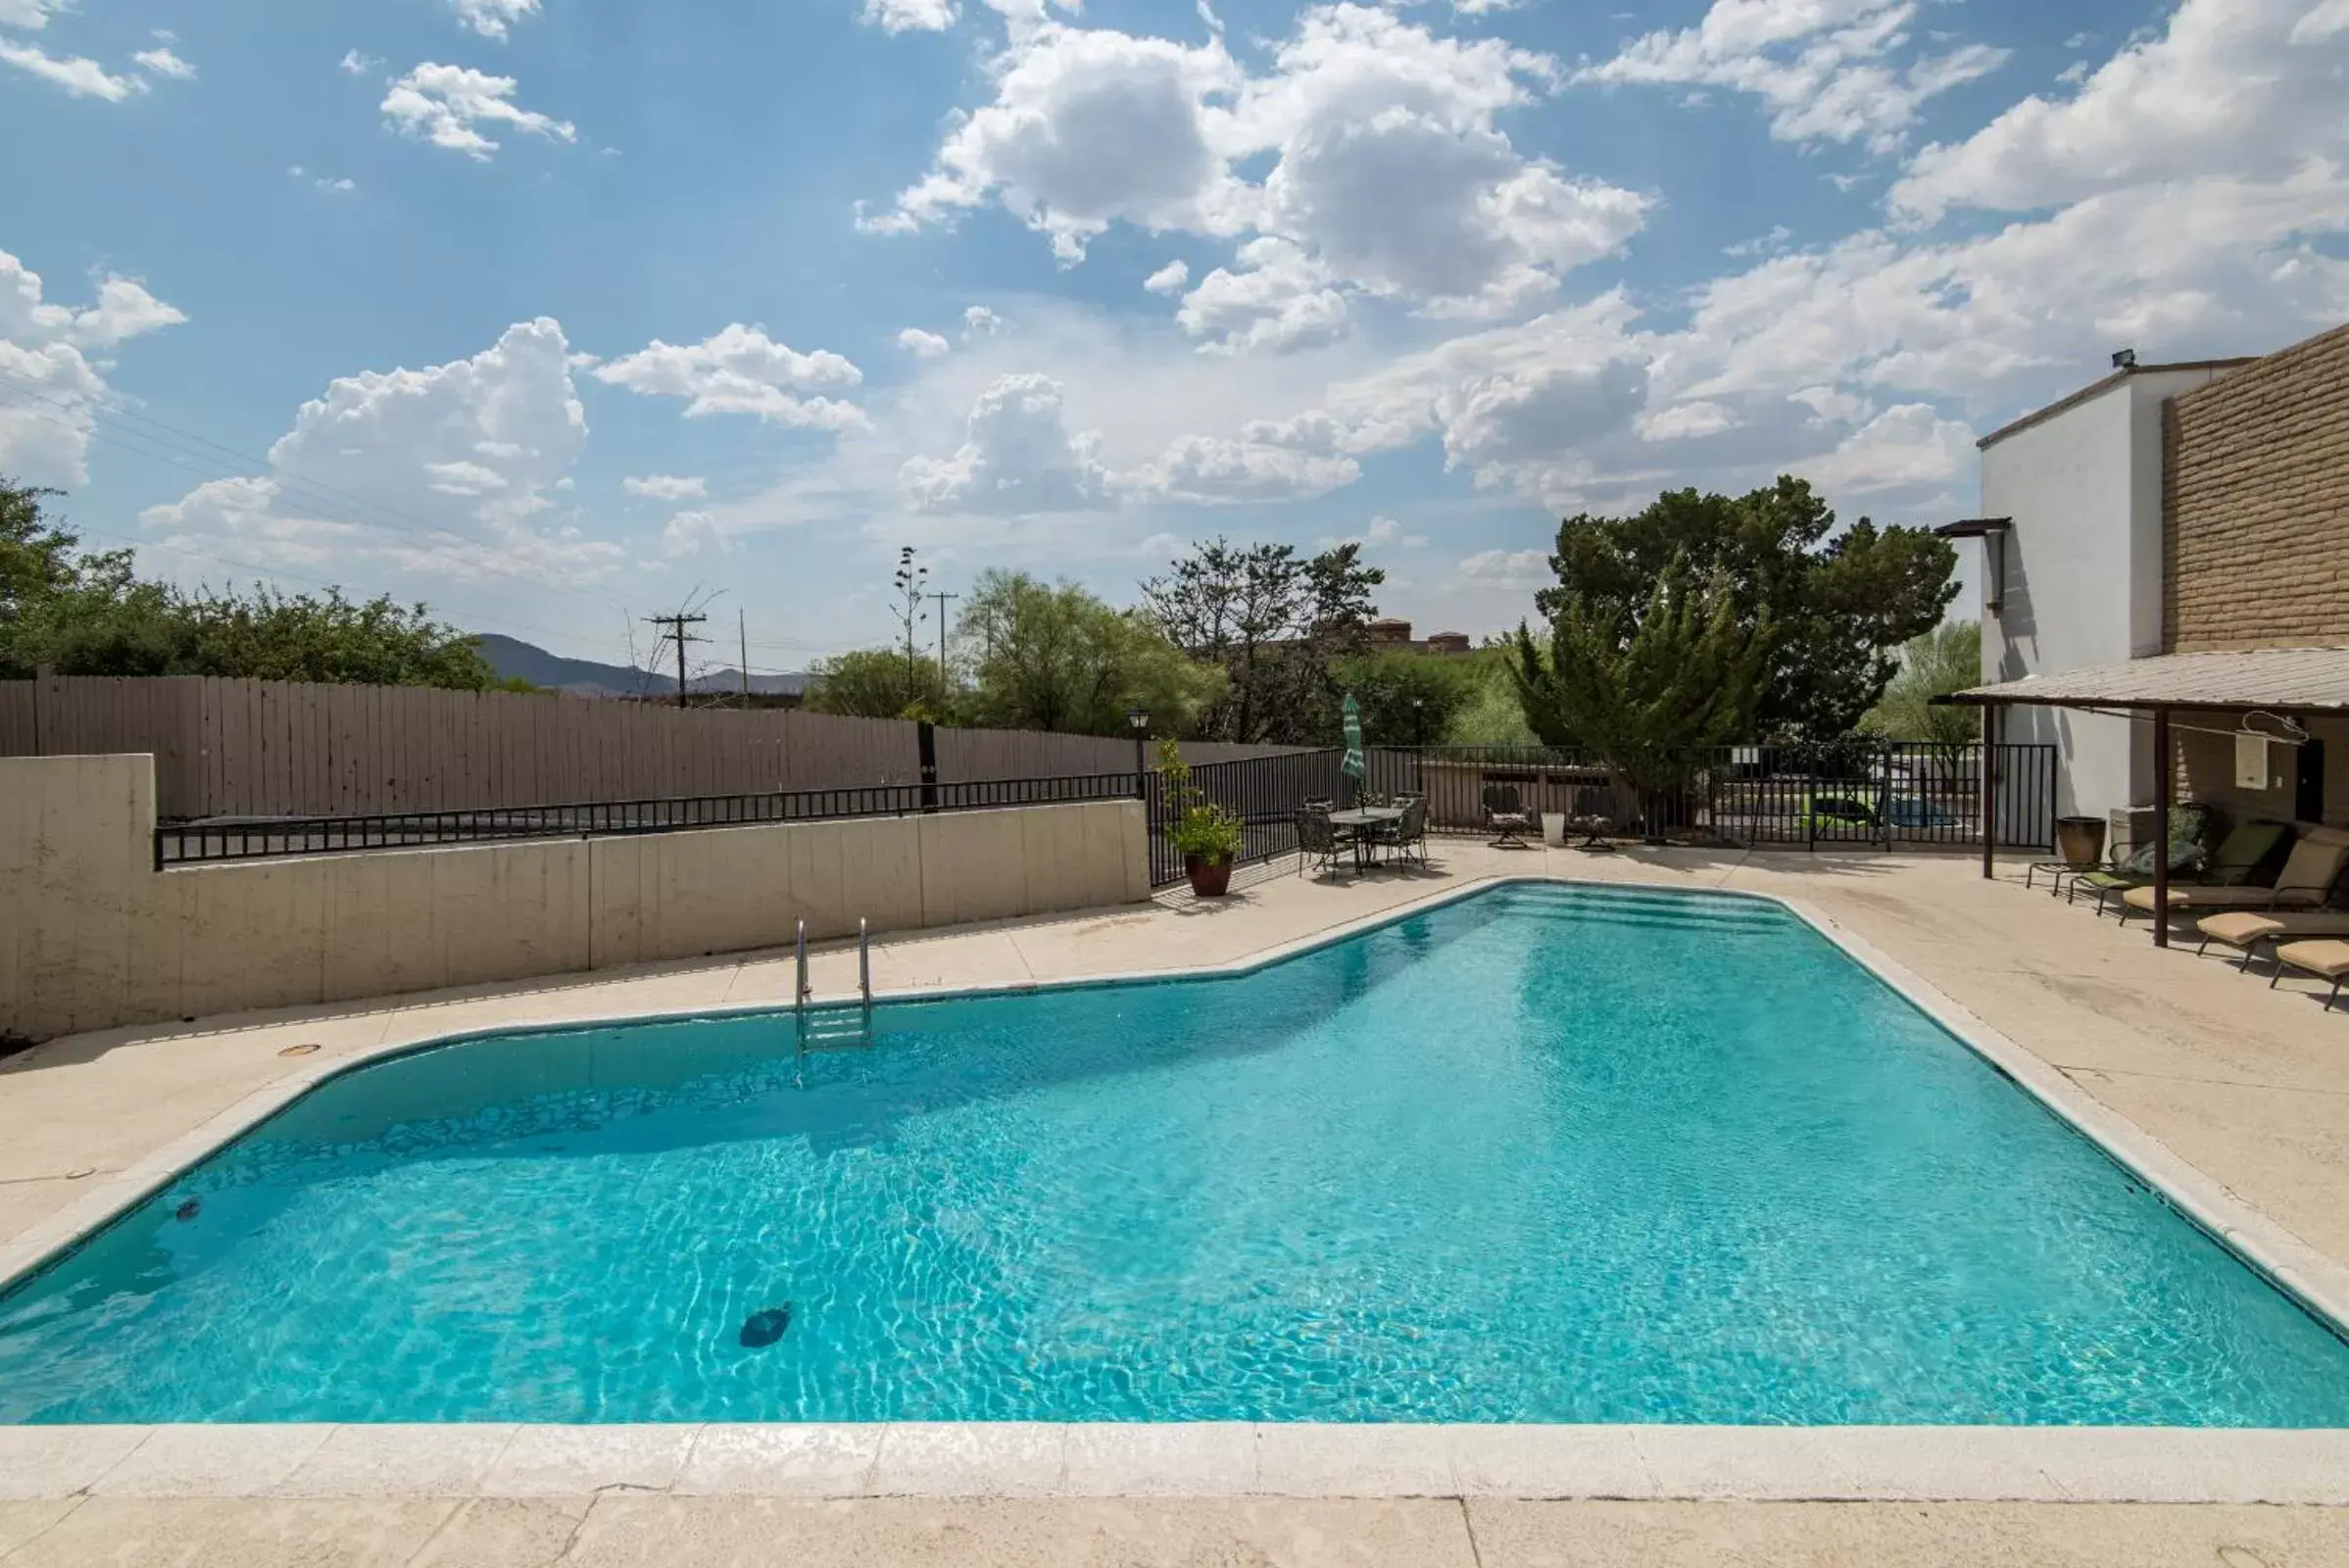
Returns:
(91, 935)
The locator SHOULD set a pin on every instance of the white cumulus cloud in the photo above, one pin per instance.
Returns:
(1168, 279)
(923, 345)
(492, 18)
(689, 533)
(1018, 457)
(161, 62)
(1828, 69)
(447, 104)
(449, 471)
(740, 370)
(57, 384)
(665, 486)
(80, 77)
(910, 15)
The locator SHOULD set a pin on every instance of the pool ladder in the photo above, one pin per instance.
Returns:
(838, 1026)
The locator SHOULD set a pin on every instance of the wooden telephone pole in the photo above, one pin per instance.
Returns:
(942, 599)
(673, 627)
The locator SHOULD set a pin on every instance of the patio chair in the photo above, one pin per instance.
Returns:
(2245, 929)
(1506, 817)
(2327, 960)
(1411, 832)
(1317, 840)
(2305, 881)
(2230, 880)
(2190, 827)
(1590, 819)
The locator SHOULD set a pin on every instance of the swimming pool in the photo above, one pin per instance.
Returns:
(1547, 1154)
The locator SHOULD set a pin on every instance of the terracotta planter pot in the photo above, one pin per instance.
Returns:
(1209, 879)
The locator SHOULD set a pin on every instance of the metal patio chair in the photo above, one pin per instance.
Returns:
(1506, 816)
(1317, 842)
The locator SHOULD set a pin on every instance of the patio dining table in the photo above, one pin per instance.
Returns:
(1363, 822)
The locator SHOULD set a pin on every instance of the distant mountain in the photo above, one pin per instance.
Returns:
(511, 657)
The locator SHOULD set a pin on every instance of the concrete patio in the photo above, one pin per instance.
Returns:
(2248, 1086)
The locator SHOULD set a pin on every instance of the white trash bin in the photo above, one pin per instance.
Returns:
(1553, 829)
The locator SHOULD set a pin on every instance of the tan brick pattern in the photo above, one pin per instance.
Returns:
(2255, 504)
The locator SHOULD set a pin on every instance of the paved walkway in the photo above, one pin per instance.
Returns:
(2249, 1085)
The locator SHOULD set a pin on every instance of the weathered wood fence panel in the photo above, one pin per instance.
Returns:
(238, 747)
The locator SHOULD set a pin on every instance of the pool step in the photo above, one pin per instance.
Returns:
(844, 1027)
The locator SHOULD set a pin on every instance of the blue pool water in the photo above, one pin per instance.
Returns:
(1542, 1155)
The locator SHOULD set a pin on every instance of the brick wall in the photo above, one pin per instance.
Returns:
(2203, 750)
(2255, 504)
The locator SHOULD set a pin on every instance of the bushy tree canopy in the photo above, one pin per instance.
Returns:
(80, 613)
(1646, 690)
(1275, 624)
(879, 683)
(1054, 657)
(1840, 609)
(1946, 658)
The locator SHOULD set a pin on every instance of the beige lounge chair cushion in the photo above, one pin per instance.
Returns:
(2307, 873)
(2328, 958)
(2241, 928)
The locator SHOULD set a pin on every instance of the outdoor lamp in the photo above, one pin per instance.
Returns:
(1137, 720)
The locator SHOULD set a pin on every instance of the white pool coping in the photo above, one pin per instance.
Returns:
(1972, 1463)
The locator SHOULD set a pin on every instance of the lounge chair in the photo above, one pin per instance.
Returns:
(1411, 831)
(2307, 877)
(2327, 960)
(1506, 817)
(2190, 830)
(1317, 840)
(2246, 929)
(1589, 820)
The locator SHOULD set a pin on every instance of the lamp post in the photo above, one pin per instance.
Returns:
(1137, 720)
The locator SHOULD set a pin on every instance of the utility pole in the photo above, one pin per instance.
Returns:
(942, 599)
(674, 626)
(742, 629)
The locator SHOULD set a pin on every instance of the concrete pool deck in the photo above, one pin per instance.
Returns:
(2244, 1088)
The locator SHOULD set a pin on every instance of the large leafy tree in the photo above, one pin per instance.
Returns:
(1840, 608)
(1053, 657)
(81, 613)
(1946, 658)
(879, 683)
(1407, 699)
(1274, 623)
(1648, 685)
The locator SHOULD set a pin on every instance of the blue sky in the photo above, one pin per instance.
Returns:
(557, 312)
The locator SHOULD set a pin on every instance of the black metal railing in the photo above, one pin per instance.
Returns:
(1849, 791)
(263, 839)
(1263, 792)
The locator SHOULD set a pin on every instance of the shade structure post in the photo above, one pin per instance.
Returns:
(1989, 791)
(2164, 786)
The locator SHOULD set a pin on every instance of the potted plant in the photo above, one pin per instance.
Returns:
(1206, 835)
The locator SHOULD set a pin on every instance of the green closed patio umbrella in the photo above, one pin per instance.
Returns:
(1351, 764)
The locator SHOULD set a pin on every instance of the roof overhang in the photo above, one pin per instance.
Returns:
(2275, 681)
(1975, 527)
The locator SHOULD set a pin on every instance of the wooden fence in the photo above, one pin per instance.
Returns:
(240, 747)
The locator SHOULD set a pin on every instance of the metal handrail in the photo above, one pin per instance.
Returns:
(800, 1004)
(864, 962)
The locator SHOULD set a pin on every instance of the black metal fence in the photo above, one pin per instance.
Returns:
(242, 840)
(1263, 792)
(1859, 791)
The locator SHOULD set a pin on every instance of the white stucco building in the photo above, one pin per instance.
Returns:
(2072, 569)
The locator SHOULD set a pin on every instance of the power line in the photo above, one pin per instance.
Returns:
(677, 621)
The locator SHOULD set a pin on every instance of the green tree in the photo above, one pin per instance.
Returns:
(1493, 716)
(88, 614)
(1840, 608)
(1053, 657)
(878, 683)
(1274, 623)
(1407, 699)
(1647, 688)
(1946, 658)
